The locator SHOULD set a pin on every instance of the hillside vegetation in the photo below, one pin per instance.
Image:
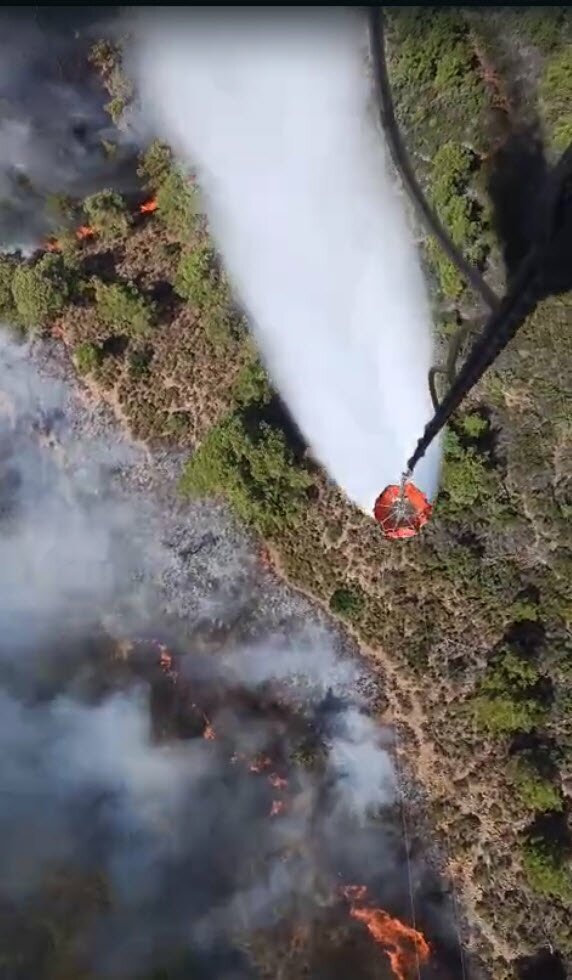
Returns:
(471, 622)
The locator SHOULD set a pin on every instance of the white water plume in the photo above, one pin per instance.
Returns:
(274, 110)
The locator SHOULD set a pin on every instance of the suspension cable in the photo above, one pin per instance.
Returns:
(403, 164)
(526, 290)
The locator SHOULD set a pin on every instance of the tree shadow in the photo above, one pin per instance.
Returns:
(532, 207)
(543, 965)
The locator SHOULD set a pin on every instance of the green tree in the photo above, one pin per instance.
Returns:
(507, 700)
(177, 204)
(122, 307)
(40, 290)
(106, 56)
(87, 357)
(255, 470)
(198, 276)
(155, 165)
(536, 791)
(107, 214)
(450, 176)
(546, 868)
(252, 385)
(348, 602)
(202, 283)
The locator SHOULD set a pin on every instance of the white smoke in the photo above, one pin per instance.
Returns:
(274, 110)
(85, 782)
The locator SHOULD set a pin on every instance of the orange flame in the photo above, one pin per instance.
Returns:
(148, 206)
(278, 806)
(83, 232)
(209, 733)
(405, 947)
(52, 245)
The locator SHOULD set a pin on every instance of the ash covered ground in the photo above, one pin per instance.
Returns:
(195, 780)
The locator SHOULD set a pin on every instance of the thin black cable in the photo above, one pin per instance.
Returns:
(403, 164)
(525, 291)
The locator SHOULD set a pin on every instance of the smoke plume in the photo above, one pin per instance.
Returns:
(273, 109)
(109, 767)
(55, 135)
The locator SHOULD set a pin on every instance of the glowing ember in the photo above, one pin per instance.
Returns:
(354, 893)
(165, 660)
(277, 781)
(278, 806)
(83, 232)
(209, 733)
(257, 765)
(405, 947)
(148, 206)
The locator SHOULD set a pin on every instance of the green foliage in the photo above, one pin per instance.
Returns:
(41, 290)
(177, 204)
(107, 214)
(201, 282)
(87, 357)
(198, 275)
(252, 384)
(433, 70)
(106, 57)
(546, 870)
(122, 307)
(524, 609)
(545, 27)
(506, 700)
(348, 602)
(255, 470)
(8, 267)
(448, 190)
(155, 165)
(473, 425)
(535, 790)
(555, 92)
(466, 481)
(139, 361)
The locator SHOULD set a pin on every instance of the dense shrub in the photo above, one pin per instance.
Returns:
(87, 357)
(40, 290)
(177, 204)
(546, 868)
(252, 384)
(449, 180)
(201, 282)
(155, 165)
(255, 470)
(348, 602)
(107, 214)
(507, 700)
(466, 480)
(122, 307)
(535, 790)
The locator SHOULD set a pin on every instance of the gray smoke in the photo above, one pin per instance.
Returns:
(180, 831)
(53, 125)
